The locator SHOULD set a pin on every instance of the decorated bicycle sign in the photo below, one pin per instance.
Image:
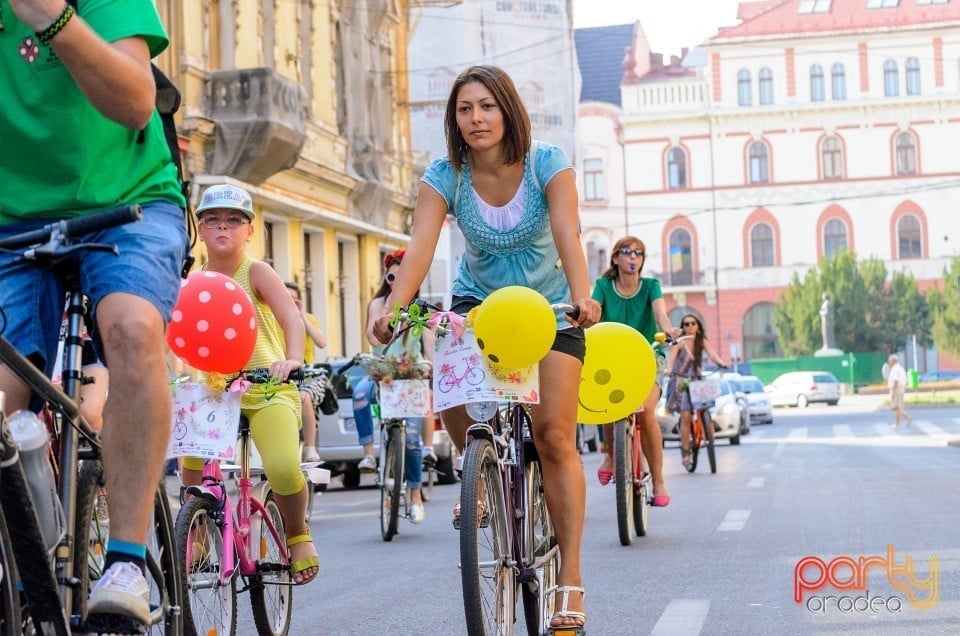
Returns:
(404, 398)
(462, 375)
(205, 422)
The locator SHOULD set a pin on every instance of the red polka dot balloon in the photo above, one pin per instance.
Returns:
(213, 327)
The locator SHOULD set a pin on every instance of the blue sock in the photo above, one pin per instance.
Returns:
(117, 550)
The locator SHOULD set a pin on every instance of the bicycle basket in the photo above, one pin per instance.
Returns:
(703, 393)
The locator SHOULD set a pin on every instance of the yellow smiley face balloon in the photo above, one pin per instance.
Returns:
(515, 327)
(617, 374)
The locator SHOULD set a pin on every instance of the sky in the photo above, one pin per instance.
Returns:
(668, 24)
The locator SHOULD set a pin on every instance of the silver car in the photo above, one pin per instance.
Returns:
(759, 406)
(800, 388)
(729, 419)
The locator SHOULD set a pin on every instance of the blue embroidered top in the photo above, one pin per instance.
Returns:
(522, 255)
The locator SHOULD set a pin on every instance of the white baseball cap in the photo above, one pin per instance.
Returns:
(226, 196)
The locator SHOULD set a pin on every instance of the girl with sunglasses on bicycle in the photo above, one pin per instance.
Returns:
(516, 202)
(363, 396)
(685, 363)
(225, 225)
(637, 301)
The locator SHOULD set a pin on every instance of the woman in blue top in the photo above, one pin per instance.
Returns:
(516, 203)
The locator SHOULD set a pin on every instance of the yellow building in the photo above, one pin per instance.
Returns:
(304, 104)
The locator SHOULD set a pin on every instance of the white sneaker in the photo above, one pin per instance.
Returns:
(417, 513)
(368, 464)
(428, 455)
(121, 590)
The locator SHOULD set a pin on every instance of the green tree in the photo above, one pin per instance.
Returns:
(945, 310)
(869, 313)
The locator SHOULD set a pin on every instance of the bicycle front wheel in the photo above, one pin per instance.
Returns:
(709, 435)
(165, 578)
(489, 579)
(391, 482)
(271, 590)
(9, 596)
(538, 605)
(623, 476)
(211, 602)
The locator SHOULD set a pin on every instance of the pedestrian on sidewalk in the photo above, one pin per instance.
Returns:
(897, 384)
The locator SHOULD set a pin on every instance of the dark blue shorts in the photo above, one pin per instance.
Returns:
(148, 265)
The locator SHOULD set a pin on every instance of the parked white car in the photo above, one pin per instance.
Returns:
(730, 420)
(758, 404)
(800, 388)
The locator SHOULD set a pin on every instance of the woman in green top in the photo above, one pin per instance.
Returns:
(628, 298)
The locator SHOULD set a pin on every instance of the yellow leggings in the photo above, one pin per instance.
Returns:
(276, 432)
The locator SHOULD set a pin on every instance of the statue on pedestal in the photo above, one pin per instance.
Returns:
(829, 347)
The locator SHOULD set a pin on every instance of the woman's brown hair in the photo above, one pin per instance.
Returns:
(626, 241)
(516, 120)
(697, 342)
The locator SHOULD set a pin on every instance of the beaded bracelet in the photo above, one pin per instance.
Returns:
(51, 31)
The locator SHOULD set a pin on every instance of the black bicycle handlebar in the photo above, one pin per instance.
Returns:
(74, 227)
(261, 375)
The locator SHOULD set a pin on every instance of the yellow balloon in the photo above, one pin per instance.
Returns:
(617, 374)
(515, 327)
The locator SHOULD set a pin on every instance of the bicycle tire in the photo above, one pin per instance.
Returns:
(209, 606)
(429, 481)
(165, 578)
(10, 624)
(538, 607)
(273, 612)
(641, 507)
(709, 435)
(623, 480)
(488, 581)
(695, 441)
(391, 482)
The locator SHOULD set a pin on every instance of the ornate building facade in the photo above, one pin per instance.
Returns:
(808, 126)
(303, 103)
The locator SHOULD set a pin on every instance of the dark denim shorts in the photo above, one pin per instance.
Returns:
(148, 265)
(570, 341)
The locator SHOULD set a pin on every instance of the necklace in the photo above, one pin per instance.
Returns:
(616, 289)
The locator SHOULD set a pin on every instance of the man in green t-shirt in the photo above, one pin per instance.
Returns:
(81, 134)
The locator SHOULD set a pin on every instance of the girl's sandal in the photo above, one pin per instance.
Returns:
(299, 566)
(580, 618)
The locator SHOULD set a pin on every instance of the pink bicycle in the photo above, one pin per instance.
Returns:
(219, 543)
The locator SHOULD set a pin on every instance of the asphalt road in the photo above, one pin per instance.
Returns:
(829, 483)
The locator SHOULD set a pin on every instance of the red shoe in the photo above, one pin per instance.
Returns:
(604, 476)
(661, 501)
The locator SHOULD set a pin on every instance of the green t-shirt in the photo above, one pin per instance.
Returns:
(635, 311)
(61, 157)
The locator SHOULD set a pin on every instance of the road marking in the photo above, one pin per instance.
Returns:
(735, 520)
(800, 432)
(756, 482)
(683, 617)
(931, 429)
(842, 431)
(884, 429)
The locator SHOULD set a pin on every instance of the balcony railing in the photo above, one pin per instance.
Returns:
(682, 278)
(260, 123)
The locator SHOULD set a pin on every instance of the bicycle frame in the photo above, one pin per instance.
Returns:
(69, 425)
(236, 523)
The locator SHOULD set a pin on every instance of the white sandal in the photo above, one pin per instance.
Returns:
(563, 612)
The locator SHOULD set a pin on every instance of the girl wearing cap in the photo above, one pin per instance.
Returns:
(225, 215)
